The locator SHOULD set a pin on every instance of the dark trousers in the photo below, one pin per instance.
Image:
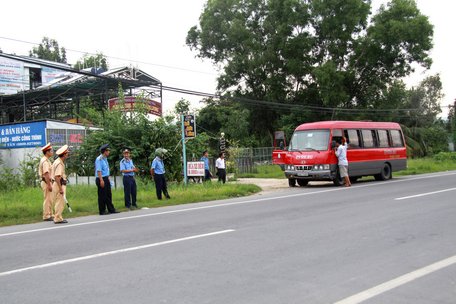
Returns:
(129, 184)
(207, 175)
(160, 185)
(221, 175)
(104, 196)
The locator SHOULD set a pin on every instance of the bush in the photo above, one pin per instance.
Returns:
(445, 156)
(10, 181)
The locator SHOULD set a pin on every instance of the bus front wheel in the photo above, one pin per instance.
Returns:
(384, 174)
(292, 182)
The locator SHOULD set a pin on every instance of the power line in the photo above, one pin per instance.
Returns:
(255, 102)
(117, 58)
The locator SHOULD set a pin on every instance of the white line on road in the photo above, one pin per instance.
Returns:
(424, 194)
(411, 276)
(93, 256)
(223, 205)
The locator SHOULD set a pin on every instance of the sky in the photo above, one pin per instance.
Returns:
(151, 35)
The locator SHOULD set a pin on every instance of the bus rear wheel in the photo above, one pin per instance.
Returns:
(292, 182)
(302, 182)
(384, 174)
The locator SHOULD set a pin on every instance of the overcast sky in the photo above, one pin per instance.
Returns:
(151, 35)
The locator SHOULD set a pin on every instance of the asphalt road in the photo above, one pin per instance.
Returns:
(376, 242)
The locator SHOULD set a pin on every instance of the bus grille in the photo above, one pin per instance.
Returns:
(303, 168)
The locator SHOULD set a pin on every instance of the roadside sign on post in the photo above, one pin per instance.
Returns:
(195, 168)
(189, 126)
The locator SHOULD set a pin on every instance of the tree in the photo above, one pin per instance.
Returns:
(452, 121)
(49, 49)
(425, 102)
(92, 61)
(319, 54)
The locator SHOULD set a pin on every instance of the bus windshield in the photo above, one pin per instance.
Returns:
(310, 140)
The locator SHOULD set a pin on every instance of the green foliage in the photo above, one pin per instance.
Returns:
(312, 54)
(92, 61)
(29, 170)
(445, 156)
(143, 136)
(10, 181)
(49, 49)
(426, 141)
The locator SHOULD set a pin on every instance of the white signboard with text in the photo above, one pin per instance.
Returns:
(195, 168)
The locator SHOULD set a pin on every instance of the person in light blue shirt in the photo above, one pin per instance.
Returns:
(157, 170)
(128, 170)
(207, 172)
(103, 182)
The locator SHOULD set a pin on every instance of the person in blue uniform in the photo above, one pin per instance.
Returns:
(157, 170)
(128, 170)
(207, 172)
(103, 182)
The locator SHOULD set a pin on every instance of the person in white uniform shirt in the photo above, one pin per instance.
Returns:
(341, 153)
(221, 168)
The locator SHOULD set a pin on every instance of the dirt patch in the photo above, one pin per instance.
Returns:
(265, 183)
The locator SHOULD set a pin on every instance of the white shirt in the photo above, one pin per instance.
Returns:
(220, 163)
(341, 154)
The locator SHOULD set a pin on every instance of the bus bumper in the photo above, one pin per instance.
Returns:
(320, 175)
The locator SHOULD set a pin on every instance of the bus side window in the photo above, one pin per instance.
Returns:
(368, 140)
(336, 135)
(375, 138)
(383, 139)
(396, 138)
(352, 138)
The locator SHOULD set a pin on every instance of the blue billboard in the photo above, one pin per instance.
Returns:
(23, 135)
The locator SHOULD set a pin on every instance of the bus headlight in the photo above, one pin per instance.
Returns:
(320, 167)
(290, 167)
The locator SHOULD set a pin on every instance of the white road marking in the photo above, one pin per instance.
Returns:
(66, 226)
(93, 256)
(411, 276)
(424, 194)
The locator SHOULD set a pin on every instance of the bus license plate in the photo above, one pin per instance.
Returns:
(303, 173)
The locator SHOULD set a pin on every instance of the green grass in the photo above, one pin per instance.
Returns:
(264, 171)
(426, 165)
(25, 206)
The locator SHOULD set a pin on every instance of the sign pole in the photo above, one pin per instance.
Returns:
(184, 156)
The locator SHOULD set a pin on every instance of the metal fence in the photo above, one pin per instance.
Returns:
(246, 159)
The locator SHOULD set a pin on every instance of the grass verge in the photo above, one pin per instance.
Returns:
(263, 171)
(25, 206)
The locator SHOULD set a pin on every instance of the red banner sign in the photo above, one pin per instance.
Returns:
(154, 107)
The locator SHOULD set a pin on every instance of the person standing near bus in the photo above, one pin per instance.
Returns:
(341, 153)
(221, 167)
(59, 185)
(207, 172)
(45, 172)
(102, 181)
(157, 171)
(128, 170)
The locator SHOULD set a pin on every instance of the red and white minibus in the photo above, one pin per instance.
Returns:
(373, 148)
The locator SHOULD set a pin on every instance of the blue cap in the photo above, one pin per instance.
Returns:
(104, 148)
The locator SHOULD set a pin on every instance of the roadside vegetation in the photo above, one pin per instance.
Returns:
(24, 205)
